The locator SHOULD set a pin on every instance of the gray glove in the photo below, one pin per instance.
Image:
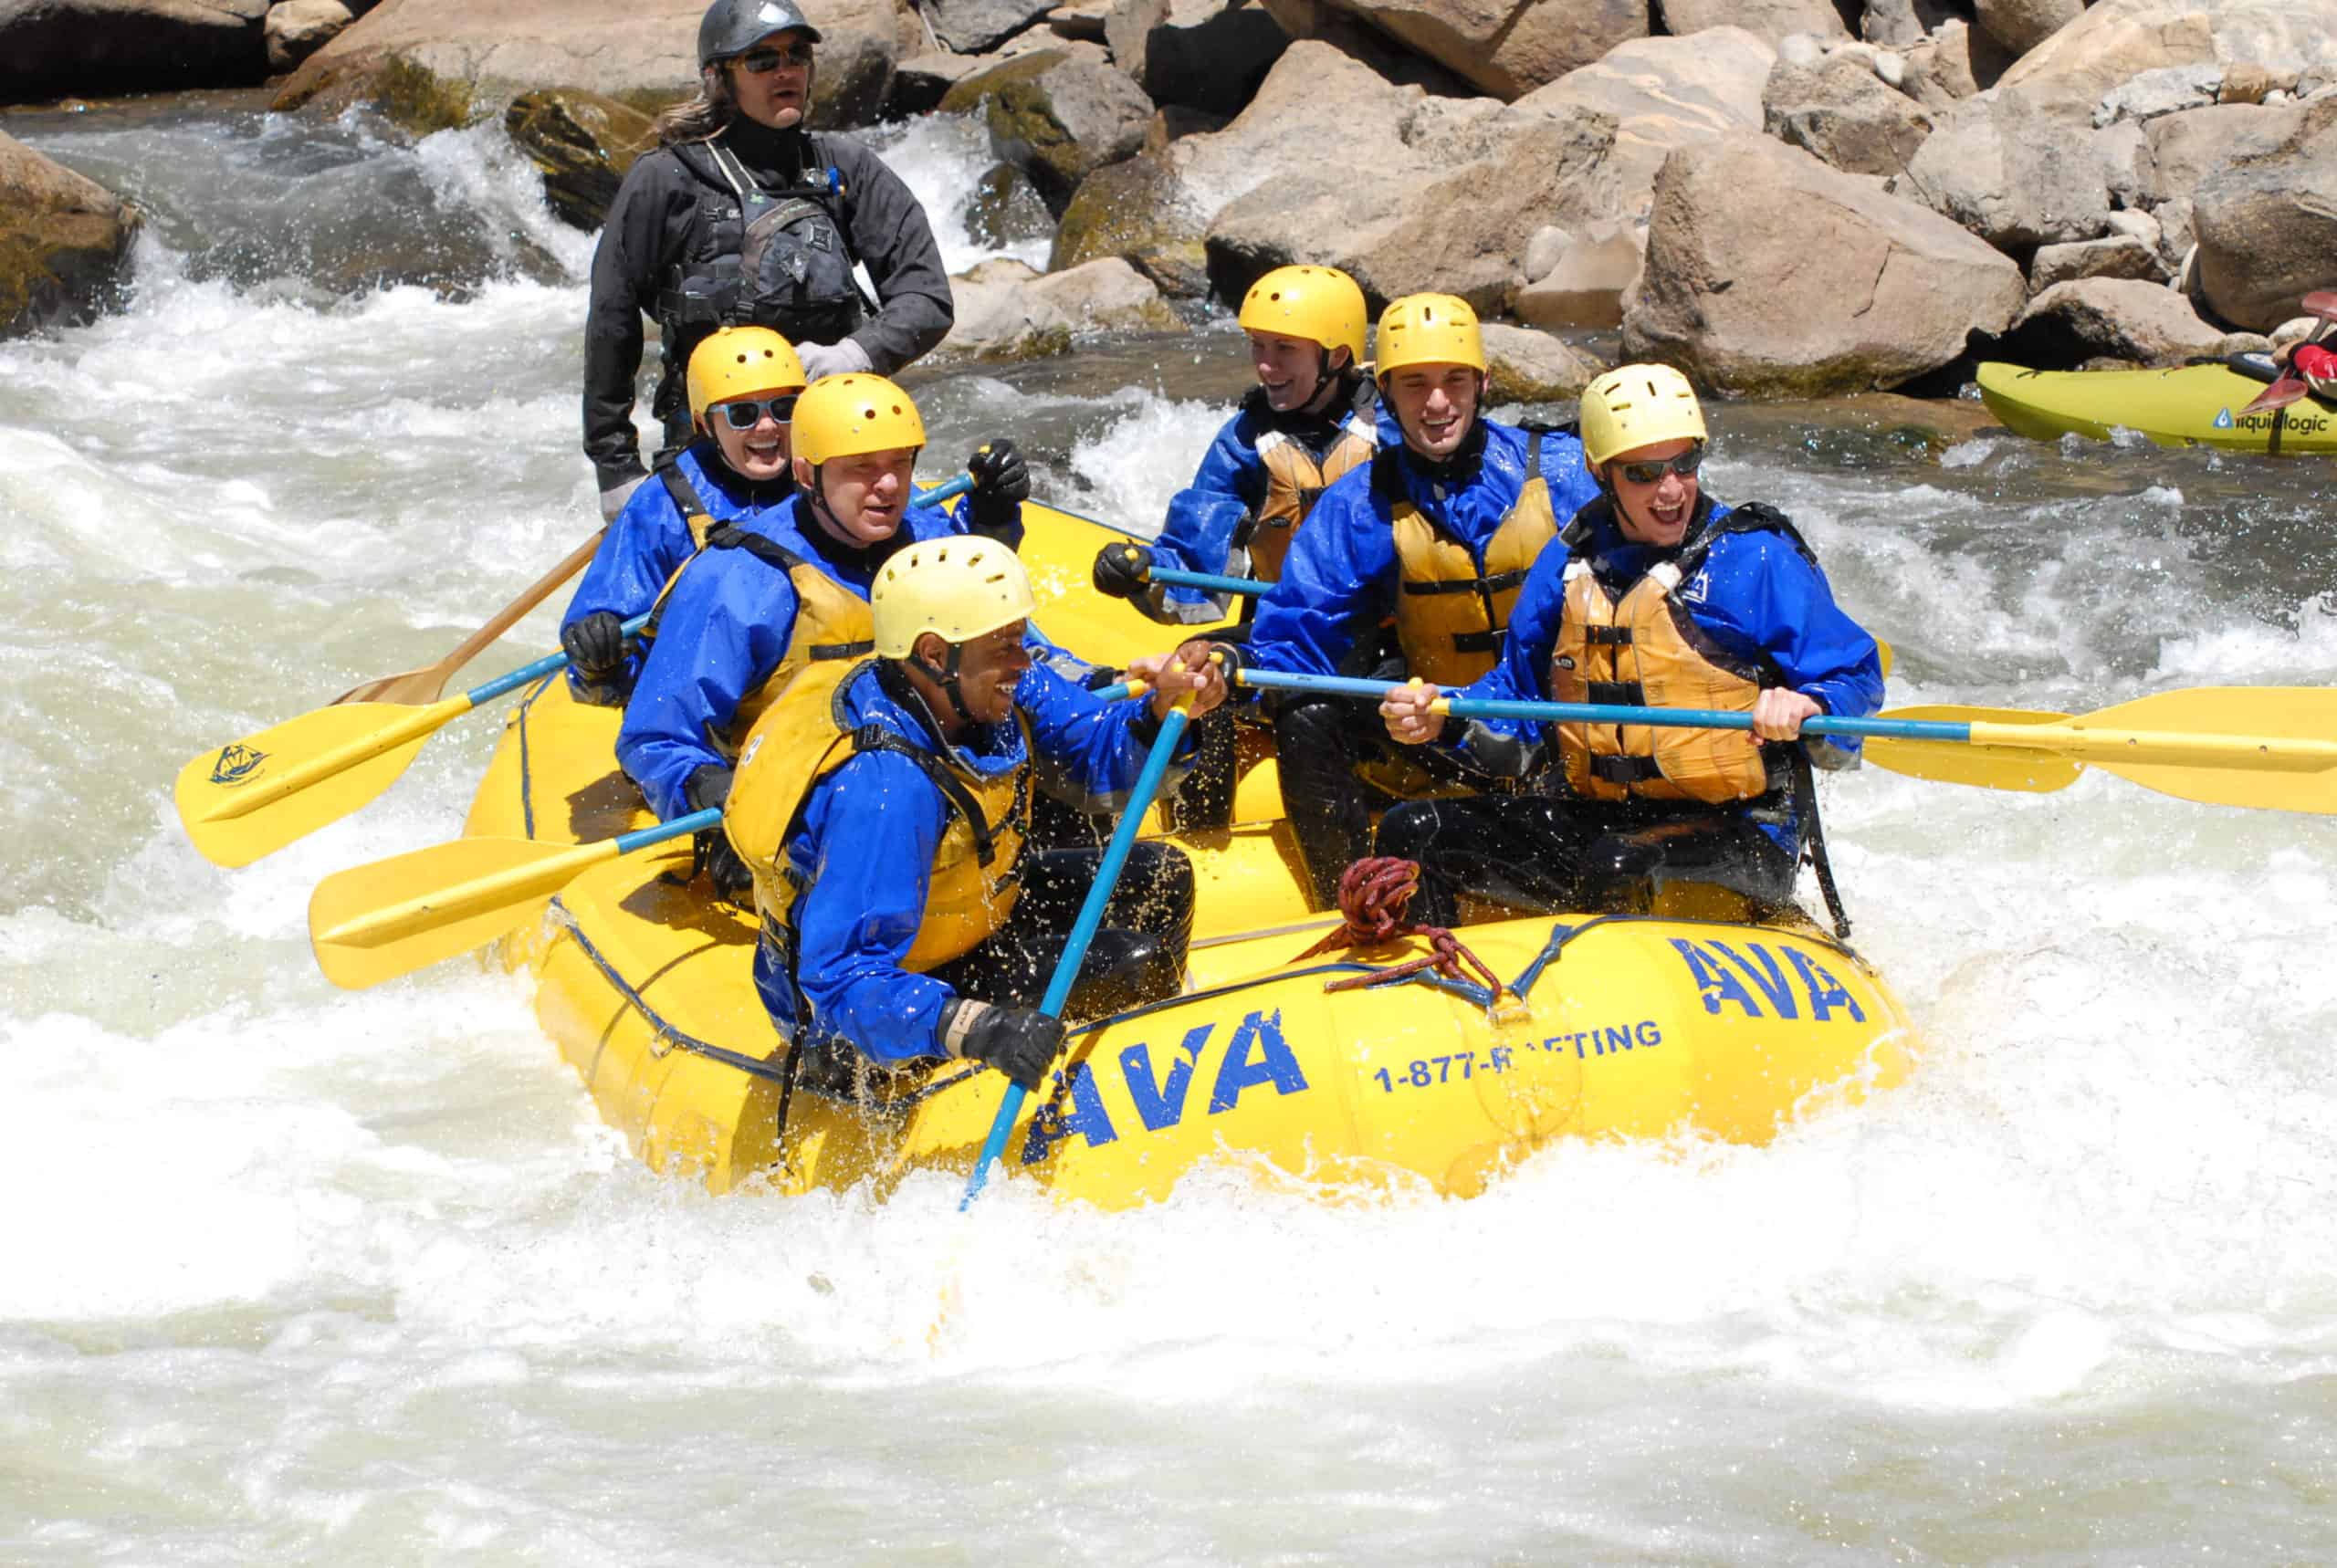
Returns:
(613, 498)
(831, 358)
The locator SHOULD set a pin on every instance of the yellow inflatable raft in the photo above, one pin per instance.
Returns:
(1621, 1026)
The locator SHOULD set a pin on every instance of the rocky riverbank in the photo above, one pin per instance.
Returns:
(1785, 197)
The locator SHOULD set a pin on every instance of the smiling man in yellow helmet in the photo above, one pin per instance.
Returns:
(779, 589)
(743, 382)
(1436, 533)
(882, 812)
(1654, 596)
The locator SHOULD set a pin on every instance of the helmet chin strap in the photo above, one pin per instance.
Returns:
(946, 678)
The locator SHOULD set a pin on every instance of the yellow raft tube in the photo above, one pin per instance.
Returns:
(1619, 1027)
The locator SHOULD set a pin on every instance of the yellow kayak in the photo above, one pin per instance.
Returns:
(1691, 1019)
(2199, 405)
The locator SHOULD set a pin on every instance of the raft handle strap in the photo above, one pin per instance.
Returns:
(1813, 840)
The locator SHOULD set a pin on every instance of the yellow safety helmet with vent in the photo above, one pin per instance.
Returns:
(842, 416)
(1635, 406)
(1429, 330)
(1321, 304)
(959, 589)
(736, 360)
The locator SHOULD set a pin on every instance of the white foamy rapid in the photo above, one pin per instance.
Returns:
(296, 1275)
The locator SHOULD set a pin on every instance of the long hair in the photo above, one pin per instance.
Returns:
(705, 117)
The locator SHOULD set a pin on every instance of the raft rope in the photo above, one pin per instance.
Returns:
(1374, 893)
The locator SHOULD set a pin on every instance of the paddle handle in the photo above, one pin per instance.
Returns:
(1209, 581)
(1083, 931)
(1602, 713)
(541, 667)
(947, 490)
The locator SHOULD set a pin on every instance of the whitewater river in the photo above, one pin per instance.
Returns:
(294, 1275)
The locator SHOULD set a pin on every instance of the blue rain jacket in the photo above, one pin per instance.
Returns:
(723, 631)
(650, 541)
(1339, 581)
(1229, 488)
(865, 839)
(1755, 596)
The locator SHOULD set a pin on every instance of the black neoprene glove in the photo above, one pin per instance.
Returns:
(1122, 570)
(1001, 484)
(594, 644)
(710, 785)
(1021, 1042)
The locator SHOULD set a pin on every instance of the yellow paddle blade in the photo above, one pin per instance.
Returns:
(254, 795)
(373, 923)
(1889, 659)
(1984, 766)
(2273, 748)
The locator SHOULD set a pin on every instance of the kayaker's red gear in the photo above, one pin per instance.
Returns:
(1373, 894)
(2317, 365)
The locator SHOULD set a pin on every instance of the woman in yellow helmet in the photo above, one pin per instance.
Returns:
(743, 382)
(1435, 534)
(882, 813)
(1656, 596)
(778, 591)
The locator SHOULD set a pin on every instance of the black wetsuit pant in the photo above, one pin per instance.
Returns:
(1546, 854)
(1137, 955)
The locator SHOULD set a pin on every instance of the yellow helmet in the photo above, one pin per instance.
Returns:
(1429, 330)
(958, 588)
(736, 360)
(1636, 406)
(842, 416)
(1321, 304)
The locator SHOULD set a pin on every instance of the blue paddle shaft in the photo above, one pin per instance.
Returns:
(1082, 932)
(1207, 579)
(949, 490)
(641, 838)
(1598, 713)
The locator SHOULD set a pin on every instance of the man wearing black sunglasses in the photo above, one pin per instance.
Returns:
(743, 382)
(1653, 596)
(741, 215)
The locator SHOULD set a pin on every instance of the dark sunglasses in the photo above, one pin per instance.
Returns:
(762, 62)
(746, 412)
(1685, 465)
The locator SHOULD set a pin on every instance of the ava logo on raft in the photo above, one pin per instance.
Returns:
(237, 764)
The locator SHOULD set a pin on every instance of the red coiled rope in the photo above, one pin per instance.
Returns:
(1373, 895)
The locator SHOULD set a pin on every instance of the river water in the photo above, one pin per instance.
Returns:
(289, 1274)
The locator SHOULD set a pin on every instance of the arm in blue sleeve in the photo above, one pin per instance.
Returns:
(1337, 583)
(723, 629)
(1779, 601)
(1198, 534)
(873, 824)
(1088, 751)
(1510, 747)
(645, 546)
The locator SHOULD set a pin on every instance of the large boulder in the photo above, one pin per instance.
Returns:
(2267, 226)
(2117, 318)
(1951, 63)
(1572, 282)
(1056, 118)
(2119, 255)
(2069, 74)
(582, 144)
(296, 29)
(59, 48)
(973, 26)
(1422, 193)
(1665, 93)
(1839, 112)
(1203, 54)
(1772, 21)
(1527, 366)
(1323, 21)
(2021, 25)
(430, 63)
(1006, 310)
(1507, 47)
(64, 242)
(1767, 273)
(2190, 147)
(2011, 177)
(1902, 24)
(1141, 212)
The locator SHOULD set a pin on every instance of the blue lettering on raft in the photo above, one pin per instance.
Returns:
(1255, 1054)
(1716, 965)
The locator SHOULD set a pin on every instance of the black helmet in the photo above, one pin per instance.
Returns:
(734, 26)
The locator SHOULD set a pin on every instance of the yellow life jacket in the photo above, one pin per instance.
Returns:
(798, 742)
(832, 625)
(1644, 649)
(1295, 482)
(1449, 617)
